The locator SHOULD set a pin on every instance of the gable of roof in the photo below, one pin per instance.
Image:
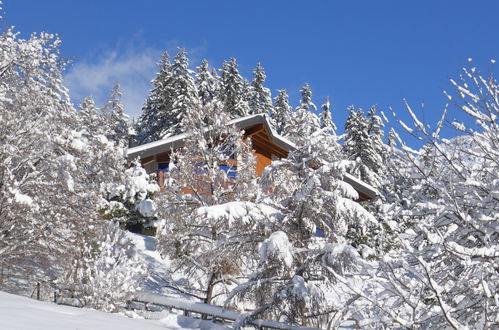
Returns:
(178, 141)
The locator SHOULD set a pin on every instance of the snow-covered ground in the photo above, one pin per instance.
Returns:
(21, 313)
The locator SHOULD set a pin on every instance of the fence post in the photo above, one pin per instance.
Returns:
(37, 290)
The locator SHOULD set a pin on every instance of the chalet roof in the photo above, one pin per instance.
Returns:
(178, 141)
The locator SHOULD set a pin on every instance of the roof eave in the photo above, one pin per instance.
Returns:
(360, 186)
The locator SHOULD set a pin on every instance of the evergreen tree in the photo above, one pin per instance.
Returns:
(326, 119)
(281, 111)
(90, 118)
(364, 145)
(207, 83)
(129, 202)
(232, 90)
(260, 100)
(303, 122)
(173, 94)
(306, 98)
(115, 118)
(152, 120)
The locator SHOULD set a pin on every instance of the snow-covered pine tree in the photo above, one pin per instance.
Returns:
(281, 111)
(303, 122)
(364, 145)
(377, 135)
(115, 119)
(326, 118)
(379, 165)
(150, 122)
(356, 133)
(306, 98)
(232, 94)
(173, 94)
(90, 117)
(207, 83)
(260, 100)
(130, 201)
(204, 239)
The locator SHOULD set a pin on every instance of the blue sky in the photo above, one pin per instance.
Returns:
(357, 52)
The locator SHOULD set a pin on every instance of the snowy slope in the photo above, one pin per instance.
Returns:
(157, 266)
(21, 313)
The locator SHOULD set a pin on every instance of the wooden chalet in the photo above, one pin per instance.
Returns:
(267, 145)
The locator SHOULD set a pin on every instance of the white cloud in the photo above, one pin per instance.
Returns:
(132, 66)
(95, 76)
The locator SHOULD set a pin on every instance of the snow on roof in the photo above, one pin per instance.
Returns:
(360, 185)
(167, 144)
(177, 141)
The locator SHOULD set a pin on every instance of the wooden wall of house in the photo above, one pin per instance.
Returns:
(150, 167)
(262, 161)
(265, 152)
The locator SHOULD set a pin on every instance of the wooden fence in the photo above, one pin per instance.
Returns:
(206, 311)
(193, 309)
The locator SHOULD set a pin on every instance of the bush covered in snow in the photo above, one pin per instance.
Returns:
(107, 273)
(130, 201)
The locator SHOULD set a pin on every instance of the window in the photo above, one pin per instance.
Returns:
(230, 170)
(163, 167)
(228, 149)
(319, 232)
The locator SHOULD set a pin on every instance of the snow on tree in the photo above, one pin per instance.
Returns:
(445, 274)
(115, 118)
(364, 145)
(260, 100)
(153, 119)
(30, 78)
(309, 185)
(207, 83)
(90, 117)
(306, 98)
(215, 168)
(303, 122)
(326, 119)
(130, 201)
(379, 165)
(281, 111)
(293, 279)
(232, 94)
(53, 169)
(174, 93)
(107, 272)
